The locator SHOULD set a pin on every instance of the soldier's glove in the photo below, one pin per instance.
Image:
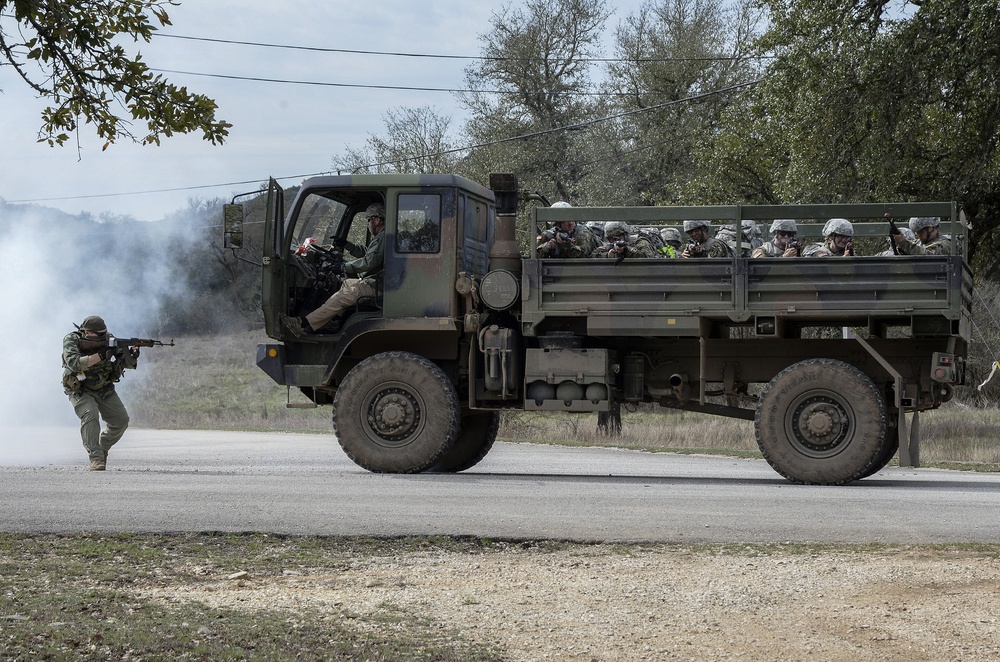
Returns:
(339, 242)
(134, 351)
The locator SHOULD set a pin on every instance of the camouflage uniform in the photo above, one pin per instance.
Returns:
(939, 245)
(711, 247)
(828, 247)
(91, 391)
(581, 243)
(771, 248)
(671, 242)
(634, 246)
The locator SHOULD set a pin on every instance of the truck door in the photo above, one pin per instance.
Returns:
(273, 290)
(420, 254)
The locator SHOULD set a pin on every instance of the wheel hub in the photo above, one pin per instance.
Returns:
(819, 424)
(394, 414)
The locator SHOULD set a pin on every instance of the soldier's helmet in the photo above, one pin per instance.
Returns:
(670, 235)
(615, 230)
(750, 229)
(908, 233)
(784, 225)
(840, 226)
(561, 205)
(694, 225)
(918, 223)
(596, 228)
(375, 210)
(94, 323)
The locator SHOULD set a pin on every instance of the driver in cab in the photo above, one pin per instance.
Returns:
(361, 279)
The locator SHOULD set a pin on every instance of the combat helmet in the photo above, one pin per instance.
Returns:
(374, 210)
(670, 235)
(918, 223)
(613, 229)
(694, 225)
(562, 204)
(840, 226)
(784, 225)
(750, 229)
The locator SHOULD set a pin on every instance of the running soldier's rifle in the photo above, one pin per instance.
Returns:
(110, 345)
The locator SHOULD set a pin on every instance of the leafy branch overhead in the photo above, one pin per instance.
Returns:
(69, 53)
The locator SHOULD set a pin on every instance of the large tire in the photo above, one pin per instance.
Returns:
(396, 412)
(479, 431)
(821, 422)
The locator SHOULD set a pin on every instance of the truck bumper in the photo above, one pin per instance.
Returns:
(271, 359)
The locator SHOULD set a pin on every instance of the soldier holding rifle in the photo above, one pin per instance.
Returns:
(92, 362)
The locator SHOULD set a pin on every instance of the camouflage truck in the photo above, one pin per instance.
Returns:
(828, 357)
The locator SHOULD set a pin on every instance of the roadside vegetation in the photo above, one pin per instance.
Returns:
(87, 597)
(211, 382)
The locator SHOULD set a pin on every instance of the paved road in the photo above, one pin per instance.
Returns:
(187, 481)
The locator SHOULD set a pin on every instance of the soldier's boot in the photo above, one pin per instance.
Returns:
(97, 465)
(298, 326)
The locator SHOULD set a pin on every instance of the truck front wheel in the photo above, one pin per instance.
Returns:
(821, 422)
(396, 412)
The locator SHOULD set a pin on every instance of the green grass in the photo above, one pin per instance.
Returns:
(80, 597)
(213, 383)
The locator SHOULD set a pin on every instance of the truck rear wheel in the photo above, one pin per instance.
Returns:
(821, 422)
(396, 412)
(479, 431)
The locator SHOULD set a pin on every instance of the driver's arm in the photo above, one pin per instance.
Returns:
(372, 260)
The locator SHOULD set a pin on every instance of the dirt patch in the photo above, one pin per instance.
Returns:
(610, 602)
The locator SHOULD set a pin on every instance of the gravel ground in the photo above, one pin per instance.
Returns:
(627, 602)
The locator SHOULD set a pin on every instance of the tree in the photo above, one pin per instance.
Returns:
(863, 104)
(669, 51)
(416, 140)
(68, 53)
(532, 79)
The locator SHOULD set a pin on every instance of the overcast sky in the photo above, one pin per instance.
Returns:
(279, 130)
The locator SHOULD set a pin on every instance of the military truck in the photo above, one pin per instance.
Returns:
(828, 357)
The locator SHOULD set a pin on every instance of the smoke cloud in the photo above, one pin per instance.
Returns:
(58, 269)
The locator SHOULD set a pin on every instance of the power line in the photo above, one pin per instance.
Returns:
(484, 58)
(376, 87)
(526, 136)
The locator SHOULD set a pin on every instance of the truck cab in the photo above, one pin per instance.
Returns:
(436, 226)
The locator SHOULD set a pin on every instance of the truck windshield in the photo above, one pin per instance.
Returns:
(319, 217)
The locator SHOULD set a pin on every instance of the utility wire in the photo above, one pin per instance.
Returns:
(525, 136)
(484, 58)
(378, 87)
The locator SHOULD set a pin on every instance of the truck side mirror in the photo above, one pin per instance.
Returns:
(233, 226)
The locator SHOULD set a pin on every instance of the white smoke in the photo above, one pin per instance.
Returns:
(57, 270)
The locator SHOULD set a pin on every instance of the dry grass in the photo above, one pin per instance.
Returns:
(213, 383)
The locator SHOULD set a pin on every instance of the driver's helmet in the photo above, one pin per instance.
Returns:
(694, 225)
(784, 225)
(918, 223)
(670, 235)
(613, 230)
(374, 210)
(840, 226)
